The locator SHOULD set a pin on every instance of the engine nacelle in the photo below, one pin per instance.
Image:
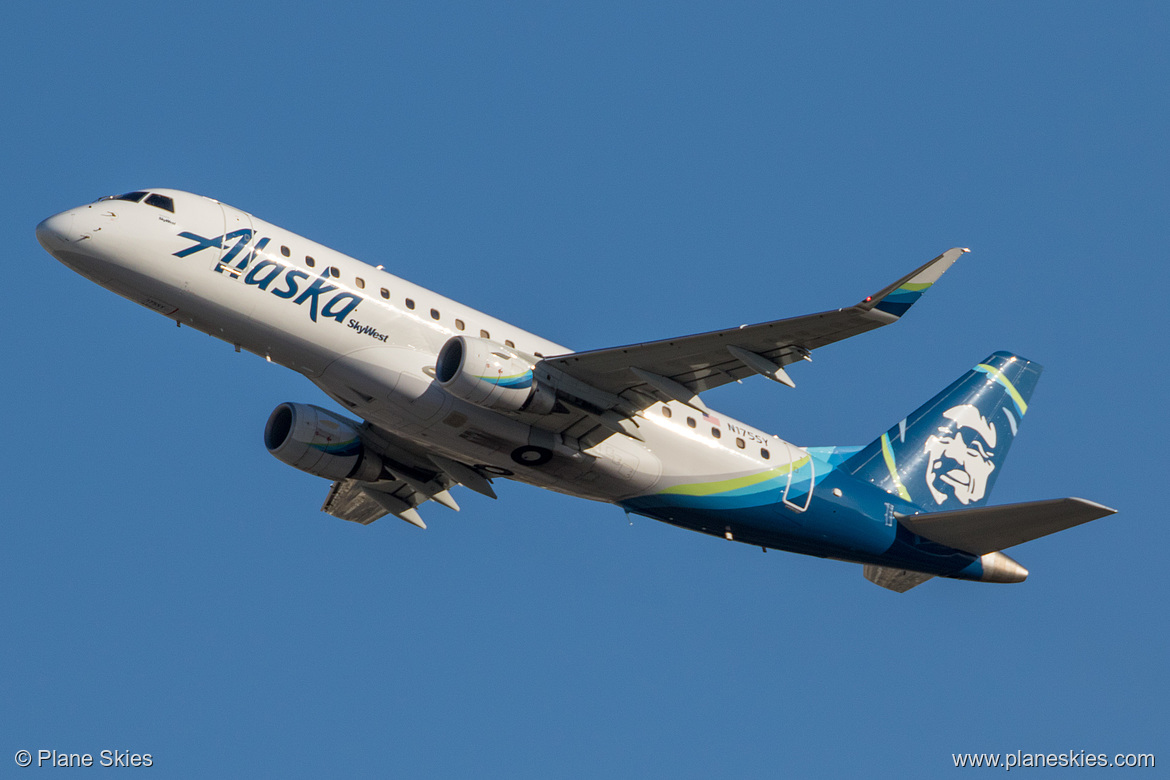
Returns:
(488, 374)
(319, 442)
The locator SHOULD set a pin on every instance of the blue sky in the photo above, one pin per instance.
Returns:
(600, 173)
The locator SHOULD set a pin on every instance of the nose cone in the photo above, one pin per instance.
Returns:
(57, 231)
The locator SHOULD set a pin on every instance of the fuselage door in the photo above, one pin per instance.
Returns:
(238, 248)
(798, 491)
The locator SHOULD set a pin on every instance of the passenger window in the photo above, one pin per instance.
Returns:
(691, 422)
(765, 454)
(309, 261)
(162, 202)
(666, 411)
(716, 433)
(409, 303)
(385, 293)
(508, 343)
(284, 250)
(434, 314)
(459, 324)
(334, 272)
(361, 283)
(739, 443)
(483, 334)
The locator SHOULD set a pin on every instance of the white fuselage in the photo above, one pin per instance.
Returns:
(370, 339)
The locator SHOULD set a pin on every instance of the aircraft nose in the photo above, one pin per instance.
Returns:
(56, 231)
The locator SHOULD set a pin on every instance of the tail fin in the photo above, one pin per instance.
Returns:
(947, 454)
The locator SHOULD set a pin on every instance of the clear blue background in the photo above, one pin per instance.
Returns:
(600, 173)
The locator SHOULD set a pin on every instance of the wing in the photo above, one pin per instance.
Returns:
(607, 387)
(410, 478)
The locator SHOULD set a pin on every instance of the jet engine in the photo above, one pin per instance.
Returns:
(488, 374)
(319, 442)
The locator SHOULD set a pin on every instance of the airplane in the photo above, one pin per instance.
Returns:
(445, 395)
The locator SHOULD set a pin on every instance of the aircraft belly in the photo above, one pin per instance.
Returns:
(391, 387)
(87, 266)
(755, 529)
(621, 467)
(858, 526)
(752, 508)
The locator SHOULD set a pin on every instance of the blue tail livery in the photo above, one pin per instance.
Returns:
(948, 452)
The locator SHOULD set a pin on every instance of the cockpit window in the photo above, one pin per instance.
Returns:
(161, 201)
(131, 196)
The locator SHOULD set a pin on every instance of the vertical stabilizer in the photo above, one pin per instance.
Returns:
(947, 454)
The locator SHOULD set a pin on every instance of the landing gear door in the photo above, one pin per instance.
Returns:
(237, 247)
(798, 491)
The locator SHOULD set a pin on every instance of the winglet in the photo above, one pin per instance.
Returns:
(895, 299)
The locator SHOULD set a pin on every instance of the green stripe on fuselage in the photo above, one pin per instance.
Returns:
(733, 484)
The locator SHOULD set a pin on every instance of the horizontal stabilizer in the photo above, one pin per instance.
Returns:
(897, 580)
(992, 528)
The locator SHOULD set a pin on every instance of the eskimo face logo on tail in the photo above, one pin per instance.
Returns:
(265, 272)
(960, 457)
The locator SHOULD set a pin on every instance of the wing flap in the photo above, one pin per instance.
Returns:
(992, 528)
(347, 501)
(365, 502)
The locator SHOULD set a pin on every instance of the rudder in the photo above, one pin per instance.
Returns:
(947, 453)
